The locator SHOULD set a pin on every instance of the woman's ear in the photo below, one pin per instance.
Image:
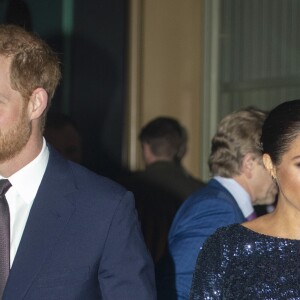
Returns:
(37, 103)
(269, 165)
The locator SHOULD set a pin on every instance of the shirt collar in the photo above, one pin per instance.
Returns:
(27, 180)
(239, 193)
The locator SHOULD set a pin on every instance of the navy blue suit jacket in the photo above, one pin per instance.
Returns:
(199, 216)
(82, 241)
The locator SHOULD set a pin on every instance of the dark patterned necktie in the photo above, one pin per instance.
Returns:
(4, 235)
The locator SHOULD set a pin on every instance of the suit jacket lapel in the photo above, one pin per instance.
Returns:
(50, 212)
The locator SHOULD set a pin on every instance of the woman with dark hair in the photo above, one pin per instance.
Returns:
(261, 259)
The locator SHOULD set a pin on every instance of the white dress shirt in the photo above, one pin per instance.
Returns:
(20, 196)
(239, 194)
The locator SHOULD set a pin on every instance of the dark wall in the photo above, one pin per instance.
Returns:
(98, 79)
(93, 62)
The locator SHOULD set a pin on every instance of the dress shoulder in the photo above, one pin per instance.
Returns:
(233, 262)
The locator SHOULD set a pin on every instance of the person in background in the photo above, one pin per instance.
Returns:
(260, 259)
(164, 184)
(239, 181)
(62, 133)
(164, 144)
(66, 233)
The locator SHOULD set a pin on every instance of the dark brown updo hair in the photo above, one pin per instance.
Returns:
(280, 129)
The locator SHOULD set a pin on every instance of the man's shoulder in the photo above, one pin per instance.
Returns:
(212, 191)
(85, 181)
(211, 197)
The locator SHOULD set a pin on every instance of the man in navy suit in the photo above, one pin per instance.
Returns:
(239, 181)
(73, 234)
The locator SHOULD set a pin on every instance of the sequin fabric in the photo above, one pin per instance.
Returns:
(237, 263)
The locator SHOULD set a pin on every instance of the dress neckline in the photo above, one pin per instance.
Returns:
(265, 235)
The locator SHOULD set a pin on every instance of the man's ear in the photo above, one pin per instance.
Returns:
(248, 164)
(269, 165)
(37, 103)
(148, 155)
